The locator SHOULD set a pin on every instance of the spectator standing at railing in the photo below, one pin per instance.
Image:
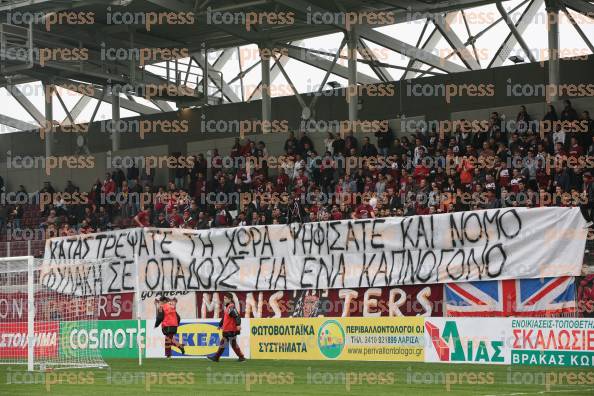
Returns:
(147, 176)
(70, 188)
(523, 120)
(350, 142)
(551, 114)
(118, 177)
(108, 186)
(339, 145)
(384, 141)
(329, 143)
(132, 174)
(48, 188)
(568, 113)
(368, 149)
(21, 194)
(290, 143)
(304, 144)
(588, 193)
(17, 216)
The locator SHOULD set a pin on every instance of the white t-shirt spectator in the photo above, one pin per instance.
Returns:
(559, 136)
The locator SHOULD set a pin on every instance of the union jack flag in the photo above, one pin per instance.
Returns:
(546, 297)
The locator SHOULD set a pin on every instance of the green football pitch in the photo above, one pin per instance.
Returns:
(274, 377)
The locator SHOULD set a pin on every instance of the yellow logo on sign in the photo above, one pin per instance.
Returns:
(199, 338)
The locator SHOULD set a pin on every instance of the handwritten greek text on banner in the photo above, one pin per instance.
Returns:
(458, 247)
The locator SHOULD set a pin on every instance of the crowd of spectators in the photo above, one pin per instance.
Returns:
(350, 176)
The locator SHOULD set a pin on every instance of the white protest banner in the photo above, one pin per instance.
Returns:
(511, 243)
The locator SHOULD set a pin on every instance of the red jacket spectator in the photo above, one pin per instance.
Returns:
(364, 211)
(109, 186)
(465, 169)
(282, 181)
(143, 218)
(421, 172)
(175, 220)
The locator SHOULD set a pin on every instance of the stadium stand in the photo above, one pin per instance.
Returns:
(501, 167)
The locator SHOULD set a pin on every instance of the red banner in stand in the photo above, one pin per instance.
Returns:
(386, 301)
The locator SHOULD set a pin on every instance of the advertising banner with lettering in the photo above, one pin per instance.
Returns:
(55, 306)
(186, 304)
(201, 338)
(113, 338)
(467, 340)
(417, 300)
(372, 339)
(14, 342)
(116, 306)
(553, 342)
(511, 243)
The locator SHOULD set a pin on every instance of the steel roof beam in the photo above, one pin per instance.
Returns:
(454, 41)
(77, 109)
(511, 41)
(368, 55)
(515, 32)
(26, 104)
(214, 77)
(325, 64)
(17, 124)
(581, 6)
(408, 50)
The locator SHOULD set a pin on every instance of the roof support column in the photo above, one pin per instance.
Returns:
(352, 96)
(552, 7)
(48, 90)
(115, 117)
(265, 54)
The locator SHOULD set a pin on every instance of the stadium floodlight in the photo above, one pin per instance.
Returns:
(35, 317)
(516, 59)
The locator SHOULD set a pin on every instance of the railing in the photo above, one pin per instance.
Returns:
(16, 48)
(32, 247)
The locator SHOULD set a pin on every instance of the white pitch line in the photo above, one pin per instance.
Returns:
(541, 392)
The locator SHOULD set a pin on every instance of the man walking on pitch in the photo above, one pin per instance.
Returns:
(231, 324)
(167, 315)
